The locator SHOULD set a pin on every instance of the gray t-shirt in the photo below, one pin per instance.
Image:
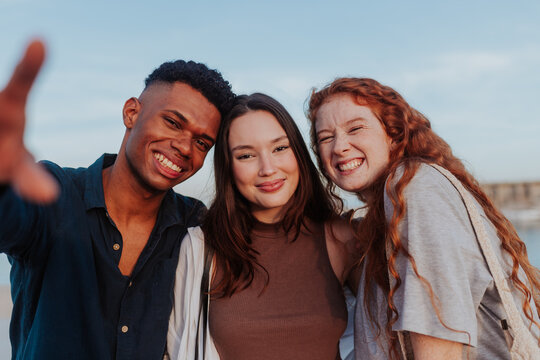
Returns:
(438, 234)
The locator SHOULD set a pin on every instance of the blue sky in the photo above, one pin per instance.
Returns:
(470, 66)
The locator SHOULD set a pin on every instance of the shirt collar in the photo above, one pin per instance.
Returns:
(93, 191)
(169, 211)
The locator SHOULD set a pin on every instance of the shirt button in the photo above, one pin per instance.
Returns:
(116, 246)
(125, 329)
(130, 283)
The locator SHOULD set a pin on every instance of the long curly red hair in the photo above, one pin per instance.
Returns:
(414, 143)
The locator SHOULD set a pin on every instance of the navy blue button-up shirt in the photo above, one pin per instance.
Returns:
(70, 299)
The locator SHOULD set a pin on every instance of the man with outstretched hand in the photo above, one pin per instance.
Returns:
(94, 250)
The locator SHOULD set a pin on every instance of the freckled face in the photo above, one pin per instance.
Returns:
(170, 129)
(264, 167)
(353, 145)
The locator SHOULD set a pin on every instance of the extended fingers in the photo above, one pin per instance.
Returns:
(25, 73)
(33, 183)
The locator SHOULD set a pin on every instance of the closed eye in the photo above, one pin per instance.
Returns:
(355, 129)
(202, 145)
(324, 139)
(171, 122)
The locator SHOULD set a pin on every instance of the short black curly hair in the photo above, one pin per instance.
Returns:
(209, 82)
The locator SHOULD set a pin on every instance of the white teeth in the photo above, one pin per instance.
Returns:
(353, 164)
(166, 162)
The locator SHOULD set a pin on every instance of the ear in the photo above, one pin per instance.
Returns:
(131, 111)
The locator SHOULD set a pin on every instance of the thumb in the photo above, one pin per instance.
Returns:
(33, 183)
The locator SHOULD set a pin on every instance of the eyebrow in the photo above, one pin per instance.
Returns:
(184, 119)
(346, 123)
(242, 147)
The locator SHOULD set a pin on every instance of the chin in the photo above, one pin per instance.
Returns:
(161, 186)
(273, 205)
(345, 185)
(353, 188)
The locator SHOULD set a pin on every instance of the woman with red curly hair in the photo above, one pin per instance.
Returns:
(425, 288)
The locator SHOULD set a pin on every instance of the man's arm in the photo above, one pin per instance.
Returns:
(17, 166)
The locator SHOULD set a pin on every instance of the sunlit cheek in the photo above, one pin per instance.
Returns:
(198, 162)
(237, 174)
(326, 160)
(323, 154)
(295, 172)
(291, 163)
(244, 174)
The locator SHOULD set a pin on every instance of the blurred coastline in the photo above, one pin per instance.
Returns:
(520, 203)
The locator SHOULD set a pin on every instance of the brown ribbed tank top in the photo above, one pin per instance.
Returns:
(300, 315)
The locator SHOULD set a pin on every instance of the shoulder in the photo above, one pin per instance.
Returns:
(54, 169)
(76, 174)
(339, 230)
(67, 176)
(187, 201)
(193, 210)
(340, 234)
(427, 185)
(433, 213)
(194, 238)
(426, 176)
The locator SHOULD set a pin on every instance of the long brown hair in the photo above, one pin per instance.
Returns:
(229, 220)
(414, 143)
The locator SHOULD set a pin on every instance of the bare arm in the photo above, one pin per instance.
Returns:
(431, 348)
(17, 166)
(343, 253)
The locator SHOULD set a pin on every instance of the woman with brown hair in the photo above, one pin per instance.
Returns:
(425, 284)
(281, 254)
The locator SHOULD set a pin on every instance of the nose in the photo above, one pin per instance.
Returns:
(266, 165)
(341, 144)
(184, 146)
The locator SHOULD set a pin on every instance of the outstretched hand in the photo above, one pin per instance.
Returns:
(17, 166)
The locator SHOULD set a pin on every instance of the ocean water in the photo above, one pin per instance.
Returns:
(531, 236)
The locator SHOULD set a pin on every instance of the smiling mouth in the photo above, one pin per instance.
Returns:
(271, 186)
(350, 165)
(167, 163)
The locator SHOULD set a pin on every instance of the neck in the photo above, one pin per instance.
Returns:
(269, 216)
(125, 198)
